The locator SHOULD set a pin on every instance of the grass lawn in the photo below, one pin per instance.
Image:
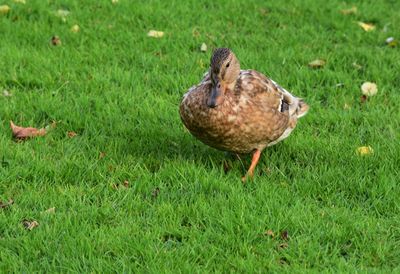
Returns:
(119, 90)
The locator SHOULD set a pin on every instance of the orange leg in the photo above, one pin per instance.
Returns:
(254, 161)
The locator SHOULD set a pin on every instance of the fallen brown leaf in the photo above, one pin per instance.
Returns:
(351, 10)
(283, 245)
(363, 99)
(269, 233)
(6, 204)
(367, 27)
(22, 133)
(317, 63)
(284, 235)
(72, 134)
(102, 155)
(118, 186)
(55, 41)
(29, 225)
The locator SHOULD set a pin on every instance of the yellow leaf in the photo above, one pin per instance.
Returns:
(4, 9)
(50, 210)
(155, 34)
(369, 89)
(365, 150)
(20, 1)
(317, 63)
(75, 28)
(366, 27)
(203, 47)
(351, 10)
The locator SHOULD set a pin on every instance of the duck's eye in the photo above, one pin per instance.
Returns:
(227, 65)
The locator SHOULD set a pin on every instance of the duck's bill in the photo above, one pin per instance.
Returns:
(216, 97)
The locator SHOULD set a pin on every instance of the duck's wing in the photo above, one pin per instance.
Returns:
(255, 84)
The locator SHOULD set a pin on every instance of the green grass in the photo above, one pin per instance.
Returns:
(120, 91)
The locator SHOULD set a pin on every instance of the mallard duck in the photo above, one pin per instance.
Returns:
(241, 111)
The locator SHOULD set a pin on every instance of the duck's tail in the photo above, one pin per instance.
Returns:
(297, 106)
(302, 108)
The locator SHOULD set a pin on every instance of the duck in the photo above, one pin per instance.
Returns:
(239, 111)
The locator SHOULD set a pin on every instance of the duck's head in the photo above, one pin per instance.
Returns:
(224, 70)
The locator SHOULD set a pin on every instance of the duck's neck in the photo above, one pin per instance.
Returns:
(231, 86)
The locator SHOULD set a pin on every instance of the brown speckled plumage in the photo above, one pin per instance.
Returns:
(255, 112)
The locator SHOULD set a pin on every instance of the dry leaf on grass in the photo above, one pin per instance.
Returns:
(284, 235)
(283, 245)
(55, 41)
(22, 133)
(363, 99)
(124, 185)
(365, 150)
(4, 9)
(366, 26)
(6, 93)
(29, 225)
(203, 47)
(6, 204)
(351, 10)
(75, 28)
(269, 233)
(72, 134)
(50, 210)
(319, 63)
(155, 34)
(102, 155)
(369, 89)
